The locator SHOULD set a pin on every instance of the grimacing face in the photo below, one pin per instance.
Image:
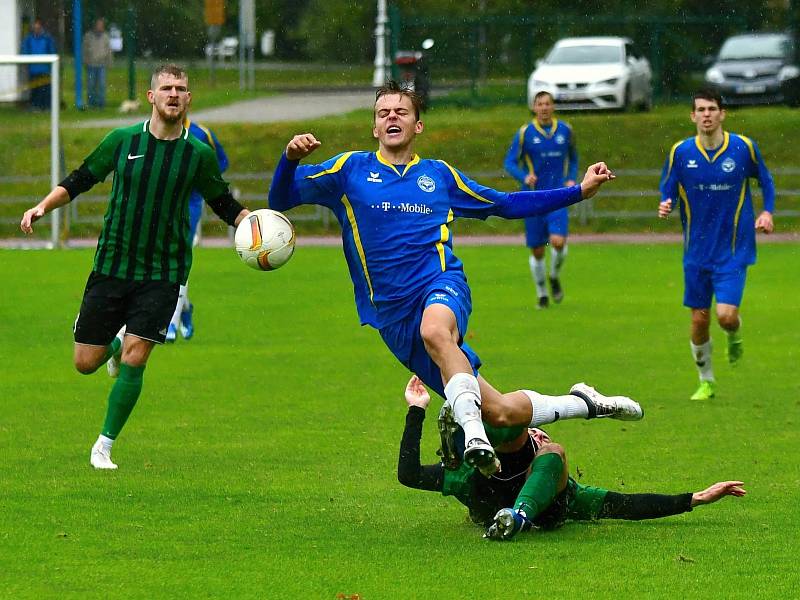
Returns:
(707, 115)
(396, 125)
(170, 97)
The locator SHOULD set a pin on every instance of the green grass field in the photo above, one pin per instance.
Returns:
(260, 461)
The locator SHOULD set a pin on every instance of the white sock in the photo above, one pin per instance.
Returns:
(106, 442)
(549, 409)
(176, 316)
(702, 358)
(537, 272)
(557, 258)
(463, 394)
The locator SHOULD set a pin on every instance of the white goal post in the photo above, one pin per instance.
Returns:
(55, 142)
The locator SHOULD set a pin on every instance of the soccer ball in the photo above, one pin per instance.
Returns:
(264, 240)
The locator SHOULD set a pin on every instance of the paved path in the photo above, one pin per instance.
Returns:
(296, 106)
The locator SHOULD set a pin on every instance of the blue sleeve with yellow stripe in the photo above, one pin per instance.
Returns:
(293, 184)
(513, 162)
(669, 177)
(572, 161)
(759, 171)
(473, 200)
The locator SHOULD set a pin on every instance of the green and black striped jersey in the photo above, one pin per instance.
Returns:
(146, 227)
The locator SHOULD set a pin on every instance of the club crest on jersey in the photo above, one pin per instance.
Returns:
(560, 139)
(374, 177)
(728, 165)
(426, 184)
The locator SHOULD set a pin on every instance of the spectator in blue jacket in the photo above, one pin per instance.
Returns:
(38, 41)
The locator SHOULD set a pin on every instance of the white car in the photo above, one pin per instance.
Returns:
(594, 73)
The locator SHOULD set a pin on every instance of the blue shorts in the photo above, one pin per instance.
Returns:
(403, 337)
(725, 283)
(538, 229)
(195, 212)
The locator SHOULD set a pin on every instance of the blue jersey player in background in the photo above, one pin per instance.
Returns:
(708, 176)
(182, 318)
(395, 209)
(542, 156)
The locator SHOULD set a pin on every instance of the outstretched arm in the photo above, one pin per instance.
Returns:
(56, 198)
(717, 491)
(654, 506)
(409, 470)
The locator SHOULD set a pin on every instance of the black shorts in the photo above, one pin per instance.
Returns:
(144, 307)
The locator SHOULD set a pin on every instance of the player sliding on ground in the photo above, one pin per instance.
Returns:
(533, 488)
(395, 209)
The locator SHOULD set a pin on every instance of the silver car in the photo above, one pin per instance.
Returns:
(594, 73)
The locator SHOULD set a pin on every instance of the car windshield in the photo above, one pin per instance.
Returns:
(584, 55)
(761, 46)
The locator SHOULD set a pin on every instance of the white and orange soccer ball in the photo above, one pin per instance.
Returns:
(265, 240)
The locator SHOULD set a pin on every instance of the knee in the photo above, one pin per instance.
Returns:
(538, 252)
(700, 318)
(84, 366)
(435, 336)
(729, 321)
(553, 448)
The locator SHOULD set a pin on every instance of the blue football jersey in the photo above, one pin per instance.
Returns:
(395, 220)
(712, 188)
(547, 152)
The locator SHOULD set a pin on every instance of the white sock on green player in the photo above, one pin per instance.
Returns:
(463, 394)
(549, 409)
(557, 258)
(538, 269)
(106, 442)
(182, 301)
(702, 358)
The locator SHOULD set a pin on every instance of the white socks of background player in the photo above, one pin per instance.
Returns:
(557, 258)
(182, 301)
(549, 409)
(463, 394)
(538, 269)
(702, 358)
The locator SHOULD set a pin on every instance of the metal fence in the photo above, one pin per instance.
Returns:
(85, 213)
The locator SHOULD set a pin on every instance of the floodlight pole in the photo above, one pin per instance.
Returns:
(381, 60)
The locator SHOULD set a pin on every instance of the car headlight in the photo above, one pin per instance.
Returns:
(612, 81)
(788, 72)
(714, 75)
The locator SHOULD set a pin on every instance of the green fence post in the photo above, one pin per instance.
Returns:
(130, 43)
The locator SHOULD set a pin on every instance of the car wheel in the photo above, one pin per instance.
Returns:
(647, 102)
(627, 103)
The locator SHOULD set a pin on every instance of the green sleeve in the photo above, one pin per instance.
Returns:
(458, 483)
(101, 161)
(209, 181)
